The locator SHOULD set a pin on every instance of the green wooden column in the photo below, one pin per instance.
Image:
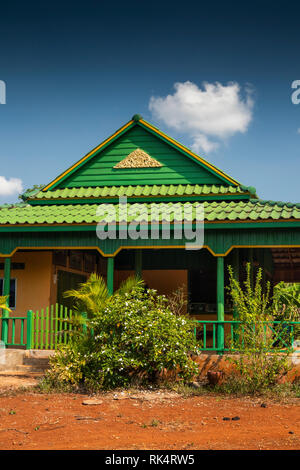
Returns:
(6, 290)
(236, 274)
(30, 325)
(138, 263)
(110, 275)
(220, 302)
(251, 257)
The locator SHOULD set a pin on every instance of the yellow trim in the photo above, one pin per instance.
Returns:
(258, 246)
(158, 247)
(261, 221)
(43, 248)
(110, 255)
(185, 149)
(87, 156)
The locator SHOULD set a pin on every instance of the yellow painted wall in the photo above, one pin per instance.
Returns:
(165, 281)
(33, 282)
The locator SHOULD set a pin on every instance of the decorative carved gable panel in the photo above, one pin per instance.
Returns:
(138, 159)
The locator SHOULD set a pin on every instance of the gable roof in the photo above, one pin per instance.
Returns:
(69, 178)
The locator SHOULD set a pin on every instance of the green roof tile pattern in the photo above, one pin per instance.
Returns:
(141, 191)
(253, 210)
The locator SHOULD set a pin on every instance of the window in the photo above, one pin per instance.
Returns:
(12, 292)
(75, 260)
(60, 258)
(89, 262)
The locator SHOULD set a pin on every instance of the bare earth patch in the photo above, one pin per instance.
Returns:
(146, 420)
(14, 380)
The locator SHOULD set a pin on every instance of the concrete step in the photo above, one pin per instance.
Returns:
(27, 369)
(21, 373)
(25, 360)
(39, 362)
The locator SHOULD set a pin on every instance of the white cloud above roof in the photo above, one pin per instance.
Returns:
(214, 111)
(10, 186)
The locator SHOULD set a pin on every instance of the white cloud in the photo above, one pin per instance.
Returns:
(10, 186)
(201, 142)
(298, 130)
(215, 110)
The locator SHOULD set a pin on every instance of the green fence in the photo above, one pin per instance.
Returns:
(13, 331)
(220, 336)
(49, 327)
(46, 328)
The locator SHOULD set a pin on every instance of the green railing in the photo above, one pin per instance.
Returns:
(13, 331)
(46, 328)
(49, 327)
(220, 336)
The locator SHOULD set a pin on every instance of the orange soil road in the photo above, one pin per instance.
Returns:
(146, 421)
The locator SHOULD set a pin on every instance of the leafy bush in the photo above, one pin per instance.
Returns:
(251, 301)
(286, 302)
(135, 337)
(258, 342)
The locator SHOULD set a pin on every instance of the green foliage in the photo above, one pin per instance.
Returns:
(258, 342)
(286, 301)
(135, 337)
(251, 301)
(3, 300)
(238, 386)
(92, 295)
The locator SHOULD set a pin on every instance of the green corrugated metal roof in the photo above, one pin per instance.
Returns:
(141, 191)
(214, 211)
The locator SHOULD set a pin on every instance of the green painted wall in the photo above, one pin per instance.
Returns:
(176, 169)
(219, 240)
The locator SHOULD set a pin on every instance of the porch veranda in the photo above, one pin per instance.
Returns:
(214, 317)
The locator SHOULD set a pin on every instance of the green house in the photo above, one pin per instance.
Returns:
(51, 242)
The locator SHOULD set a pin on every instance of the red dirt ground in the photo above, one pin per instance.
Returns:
(145, 420)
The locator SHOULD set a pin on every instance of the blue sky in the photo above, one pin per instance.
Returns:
(75, 73)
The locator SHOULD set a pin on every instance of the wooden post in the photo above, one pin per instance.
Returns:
(236, 274)
(29, 329)
(220, 302)
(251, 266)
(6, 291)
(138, 264)
(110, 275)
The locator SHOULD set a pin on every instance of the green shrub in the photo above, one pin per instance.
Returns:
(262, 352)
(135, 337)
(286, 305)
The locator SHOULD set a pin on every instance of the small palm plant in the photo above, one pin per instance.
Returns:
(3, 305)
(93, 296)
(91, 299)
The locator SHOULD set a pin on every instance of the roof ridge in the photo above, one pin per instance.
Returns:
(275, 203)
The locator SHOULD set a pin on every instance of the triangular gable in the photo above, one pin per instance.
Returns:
(178, 165)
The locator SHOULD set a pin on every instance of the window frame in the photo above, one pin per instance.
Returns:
(16, 284)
